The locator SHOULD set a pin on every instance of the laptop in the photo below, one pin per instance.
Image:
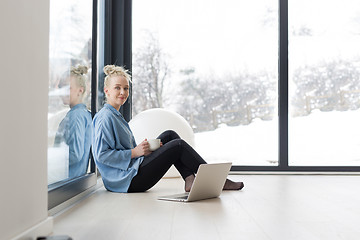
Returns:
(208, 183)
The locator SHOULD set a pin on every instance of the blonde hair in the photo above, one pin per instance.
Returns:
(112, 70)
(79, 73)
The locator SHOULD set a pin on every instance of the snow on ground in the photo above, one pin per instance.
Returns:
(320, 139)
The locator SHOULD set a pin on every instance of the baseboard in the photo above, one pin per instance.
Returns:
(43, 228)
(63, 207)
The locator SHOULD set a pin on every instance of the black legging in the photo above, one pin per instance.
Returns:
(174, 151)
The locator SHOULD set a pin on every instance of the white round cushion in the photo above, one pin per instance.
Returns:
(152, 122)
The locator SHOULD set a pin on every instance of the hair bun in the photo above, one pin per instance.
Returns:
(110, 70)
(114, 70)
(79, 70)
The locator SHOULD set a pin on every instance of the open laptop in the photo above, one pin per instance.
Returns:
(208, 183)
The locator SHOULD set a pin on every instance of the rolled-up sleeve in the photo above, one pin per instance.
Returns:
(106, 151)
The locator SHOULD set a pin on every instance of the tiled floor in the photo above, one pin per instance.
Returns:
(272, 207)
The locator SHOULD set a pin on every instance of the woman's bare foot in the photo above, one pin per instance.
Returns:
(230, 185)
(189, 182)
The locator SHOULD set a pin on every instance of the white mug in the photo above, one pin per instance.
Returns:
(153, 144)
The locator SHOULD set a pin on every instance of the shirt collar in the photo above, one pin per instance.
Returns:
(112, 109)
(80, 105)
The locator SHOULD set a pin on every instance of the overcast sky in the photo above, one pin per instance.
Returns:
(230, 35)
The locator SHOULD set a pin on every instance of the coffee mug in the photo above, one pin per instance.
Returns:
(153, 144)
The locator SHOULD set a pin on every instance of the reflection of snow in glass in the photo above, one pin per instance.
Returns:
(64, 91)
(70, 27)
(58, 163)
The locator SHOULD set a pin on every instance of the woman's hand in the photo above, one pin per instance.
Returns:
(141, 150)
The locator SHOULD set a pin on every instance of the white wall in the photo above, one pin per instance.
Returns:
(24, 34)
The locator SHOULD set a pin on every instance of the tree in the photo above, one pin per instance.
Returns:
(150, 72)
(331, 85)
(233, 100)
(197, 100)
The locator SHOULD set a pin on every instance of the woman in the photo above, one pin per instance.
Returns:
(75, 129)
(127, 167)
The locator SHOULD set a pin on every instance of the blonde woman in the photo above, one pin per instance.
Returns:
(126, 166)
(75, 129)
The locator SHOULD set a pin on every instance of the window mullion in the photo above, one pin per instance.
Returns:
(283, 84)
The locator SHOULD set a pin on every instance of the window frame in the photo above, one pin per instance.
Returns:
(115, 44)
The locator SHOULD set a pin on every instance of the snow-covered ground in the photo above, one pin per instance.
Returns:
(320, 139)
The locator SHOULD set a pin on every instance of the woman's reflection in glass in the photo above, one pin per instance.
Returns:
(75, 129)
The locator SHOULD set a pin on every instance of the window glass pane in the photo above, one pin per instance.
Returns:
(215, 63)
(69, 117)
(324, 82)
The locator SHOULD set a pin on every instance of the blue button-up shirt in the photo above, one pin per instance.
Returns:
(75, 131)
(111, 147)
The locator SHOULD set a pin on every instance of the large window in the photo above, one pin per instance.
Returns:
(71, 58)
(215, 63)
(268, 85)
(324, 83)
